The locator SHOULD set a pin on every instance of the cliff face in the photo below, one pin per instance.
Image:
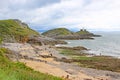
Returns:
(14, 30)
(63, 33)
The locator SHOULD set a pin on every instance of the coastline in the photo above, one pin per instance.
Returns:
(105, 45)
(48, 62)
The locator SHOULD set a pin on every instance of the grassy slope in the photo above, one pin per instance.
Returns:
(17, 71)
(58, 31)
(10, 28)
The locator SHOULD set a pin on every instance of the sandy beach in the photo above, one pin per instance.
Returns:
(57, 71)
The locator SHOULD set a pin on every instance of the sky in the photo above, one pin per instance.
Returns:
(96, 15)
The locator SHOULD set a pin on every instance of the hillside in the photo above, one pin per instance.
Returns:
(14, 30)
(63, 33)
(57, 32)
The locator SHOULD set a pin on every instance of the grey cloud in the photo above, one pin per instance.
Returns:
(31, 4)
(21, 8)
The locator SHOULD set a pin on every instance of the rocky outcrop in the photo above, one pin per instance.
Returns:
(45, 41)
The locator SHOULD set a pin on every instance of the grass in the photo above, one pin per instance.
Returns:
(12, 29)
(83, 32)
(69, 52)
(95, 62)
(64, 31)
(58, 31)
(18, 71)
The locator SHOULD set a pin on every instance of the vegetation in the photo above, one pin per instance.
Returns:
(11, 30)
(70, 52)
(18, 71)
(57, 31)
(96, 62)
(83, 31)
(99, 62)
(63, 33)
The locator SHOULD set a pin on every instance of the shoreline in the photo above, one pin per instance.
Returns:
(42, 53)
(89, 51)
(101, 62)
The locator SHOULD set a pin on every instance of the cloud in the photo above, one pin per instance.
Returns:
(73, 14)
(19, 4)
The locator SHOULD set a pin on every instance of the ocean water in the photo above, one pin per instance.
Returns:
(108, 44)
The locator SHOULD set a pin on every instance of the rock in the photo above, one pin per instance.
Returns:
(45, 41)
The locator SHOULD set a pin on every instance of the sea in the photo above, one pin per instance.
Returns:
(108, 44)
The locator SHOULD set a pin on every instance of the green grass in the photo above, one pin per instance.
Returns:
(57, 31)
(18, 71)
(84, 32)
(12, 29)
(67, 52)
(70, 52)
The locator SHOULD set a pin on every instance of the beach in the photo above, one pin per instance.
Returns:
(49, 65)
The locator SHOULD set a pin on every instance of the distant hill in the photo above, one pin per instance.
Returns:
(14, 30)
(63, 33)
(57, 32)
